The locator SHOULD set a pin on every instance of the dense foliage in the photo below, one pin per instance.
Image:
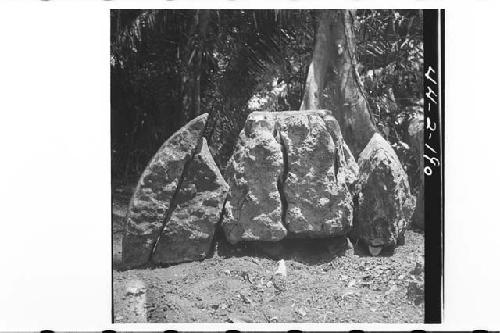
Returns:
(167, 66)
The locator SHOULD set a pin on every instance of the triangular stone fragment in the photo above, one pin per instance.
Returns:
(188, 234)
(155, 190)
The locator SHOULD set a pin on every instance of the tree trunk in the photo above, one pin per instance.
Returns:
(322, 56)
(350, 99)
(335, 45)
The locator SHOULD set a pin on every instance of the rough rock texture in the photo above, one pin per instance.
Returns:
(188, 234)
(290, 175)
(416, 141)
(385, 204)
(348, 168)
(155, 191)
(319, 203)
(253, 209)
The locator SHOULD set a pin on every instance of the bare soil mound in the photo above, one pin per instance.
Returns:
(236, 283)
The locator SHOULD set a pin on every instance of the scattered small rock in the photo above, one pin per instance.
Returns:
(135, 291)
(392, 289)
(347, 293)
(415, 291)
(281, 268)
(279, 277)
(350, 249)
(301, 312)
(235, 319)
(246, 299)
(419, 269)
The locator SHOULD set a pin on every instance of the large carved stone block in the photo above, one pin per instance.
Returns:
(290, 174)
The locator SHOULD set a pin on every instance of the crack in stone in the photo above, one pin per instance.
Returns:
(336, 163)
(173, 200)
(283, 176)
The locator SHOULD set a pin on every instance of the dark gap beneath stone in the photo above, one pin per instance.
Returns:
(309, 251)
(218, 233)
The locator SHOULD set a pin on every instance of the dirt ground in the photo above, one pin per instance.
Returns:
(324, 283)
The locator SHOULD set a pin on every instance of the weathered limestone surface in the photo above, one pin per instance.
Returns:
(416, 141)
(188, 234)
(319, 203)
(385, 204)
(348, 168)
(155, 191)
(290, 174)
(253, 209)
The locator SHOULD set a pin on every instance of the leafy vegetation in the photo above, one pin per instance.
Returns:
(167, 66)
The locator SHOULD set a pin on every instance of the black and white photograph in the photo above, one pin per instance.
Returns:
(249, 166)
(268, 165)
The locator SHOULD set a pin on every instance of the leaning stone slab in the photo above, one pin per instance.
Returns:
(155, 191)
(253, 210)
(385, 204)
(188, 234)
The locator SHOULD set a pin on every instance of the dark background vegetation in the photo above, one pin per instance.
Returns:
(168, 66)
